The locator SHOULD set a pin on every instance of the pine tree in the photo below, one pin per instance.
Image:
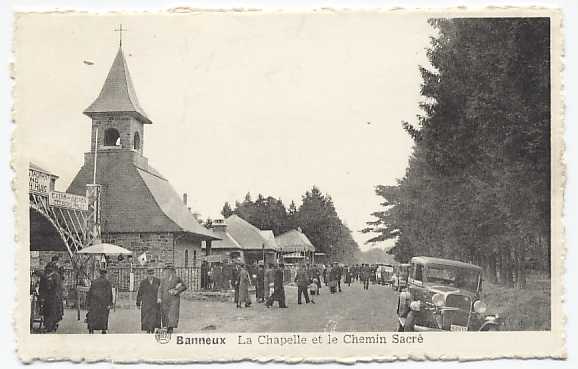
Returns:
(227, 211)
(477, 187)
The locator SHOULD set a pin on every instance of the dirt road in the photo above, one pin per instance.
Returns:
(351, 310)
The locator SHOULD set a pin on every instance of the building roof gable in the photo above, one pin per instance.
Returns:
(245, 234)
(293, 241)
(171, 204)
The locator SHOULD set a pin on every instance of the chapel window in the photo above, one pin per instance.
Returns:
(136, 141)
(111, 137)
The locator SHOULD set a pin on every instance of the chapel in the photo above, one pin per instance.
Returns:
(140, 210)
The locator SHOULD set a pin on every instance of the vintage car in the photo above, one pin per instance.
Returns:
(444, 295)
(400, 275)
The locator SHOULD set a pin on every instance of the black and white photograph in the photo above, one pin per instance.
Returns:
(376, 175)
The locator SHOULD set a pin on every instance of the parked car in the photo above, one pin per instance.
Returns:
(444, 295)
(384, 273)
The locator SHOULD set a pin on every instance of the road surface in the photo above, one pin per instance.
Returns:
(354, 309)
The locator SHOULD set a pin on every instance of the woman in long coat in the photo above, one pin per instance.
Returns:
(147, 300)
(169, 297)
(333, 275)
(99, 302)
(244, 283)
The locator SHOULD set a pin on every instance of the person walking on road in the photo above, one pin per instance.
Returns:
(317, 279)
(260, 283)
(365, 276)
(50, 294)
(302, 280)
(99, 302)
(268, 283)
(169, 297)
(339, 274)
(348, 276)
(278, 288)
(244, 283)
(235, 273)
(146, 300)
(332, 277)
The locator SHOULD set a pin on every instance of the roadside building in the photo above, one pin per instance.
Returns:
(139, 210)
(243, 241)
(295, 247)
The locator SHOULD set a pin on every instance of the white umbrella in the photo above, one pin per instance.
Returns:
(105, 248)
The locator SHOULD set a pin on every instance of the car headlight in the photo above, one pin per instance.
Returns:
(415, 305)
(438, 300)
(480, 307)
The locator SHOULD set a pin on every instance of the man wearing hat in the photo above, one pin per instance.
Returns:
(50, 293)
(169, 298)
(260, 283)
(235, 274)
(146, 300)
(278, 288)
(338, 274)
(99, 302)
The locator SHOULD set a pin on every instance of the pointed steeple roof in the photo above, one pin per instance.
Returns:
(117, 94)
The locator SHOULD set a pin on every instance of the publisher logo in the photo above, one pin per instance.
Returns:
(162, 336)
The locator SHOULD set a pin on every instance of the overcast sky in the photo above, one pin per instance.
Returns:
(240, 102)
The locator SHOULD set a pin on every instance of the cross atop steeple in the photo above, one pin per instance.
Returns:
(120, 30)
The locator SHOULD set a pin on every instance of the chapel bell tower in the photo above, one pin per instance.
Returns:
(116, 114)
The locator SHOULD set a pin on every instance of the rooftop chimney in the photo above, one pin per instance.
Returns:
(185, 198)
(219, 225)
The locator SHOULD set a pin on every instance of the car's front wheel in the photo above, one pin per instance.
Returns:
(491, 328)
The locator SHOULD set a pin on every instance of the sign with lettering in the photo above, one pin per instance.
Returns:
(38, 182)
(67, 200)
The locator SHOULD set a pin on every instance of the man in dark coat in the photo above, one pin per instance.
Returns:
(278, 288)
(302, 280)
(348, 276)
(50, 293)
(99, 302)
(365, 276)
(339, 274)
(146, 300)
(260, 284)
(169, 297)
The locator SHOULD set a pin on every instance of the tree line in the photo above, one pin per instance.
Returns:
(477, 186)
(316, 217)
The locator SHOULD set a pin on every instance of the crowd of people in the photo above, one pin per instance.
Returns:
(159, 298)
(269, 281)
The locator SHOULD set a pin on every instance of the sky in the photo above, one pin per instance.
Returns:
(240, 102)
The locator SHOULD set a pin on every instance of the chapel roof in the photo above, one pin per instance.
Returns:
(118, 94)
(137, 199)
